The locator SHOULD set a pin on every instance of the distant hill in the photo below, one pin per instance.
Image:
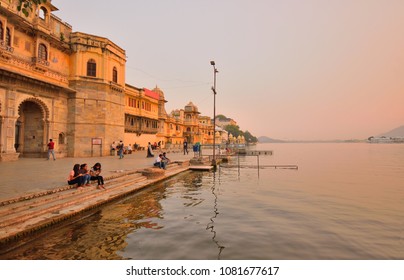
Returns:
(265, 139)
(397, 132)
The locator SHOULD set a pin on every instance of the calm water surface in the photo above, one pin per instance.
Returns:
(346, 201)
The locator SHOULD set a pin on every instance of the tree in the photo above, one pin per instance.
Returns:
(26, 6)
(234, 130)
(221, 117)
(249, 138)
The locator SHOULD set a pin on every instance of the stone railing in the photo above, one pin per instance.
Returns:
(5, 47)
(6, 51)
(40, 64)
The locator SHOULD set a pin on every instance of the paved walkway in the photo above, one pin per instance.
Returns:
(31, 175)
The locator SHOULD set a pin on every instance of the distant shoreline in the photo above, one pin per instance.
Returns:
(311, 141)
(332, 141)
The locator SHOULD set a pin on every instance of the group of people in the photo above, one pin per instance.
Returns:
(81, 176)
(122, 149)
(156, 145)
(162, 161)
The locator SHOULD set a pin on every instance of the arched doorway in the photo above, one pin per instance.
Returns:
(30, 130)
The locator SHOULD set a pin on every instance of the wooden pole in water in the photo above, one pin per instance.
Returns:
(214, 111)
(238, 157)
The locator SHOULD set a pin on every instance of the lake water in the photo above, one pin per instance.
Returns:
(345, 201)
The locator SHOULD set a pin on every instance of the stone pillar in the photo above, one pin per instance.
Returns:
(8, 152)
(1, 134)
(46, 134)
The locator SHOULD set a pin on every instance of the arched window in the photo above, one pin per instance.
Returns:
(1, 31)
(42, 13)
(91, 68)
(8, 37)
(42, 52)
(61, 138)
(115, 75)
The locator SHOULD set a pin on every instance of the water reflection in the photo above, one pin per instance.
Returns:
(101, 235)
(331, 208)
(191, 192)
(210, 226)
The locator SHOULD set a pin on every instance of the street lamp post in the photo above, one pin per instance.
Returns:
(214, 111)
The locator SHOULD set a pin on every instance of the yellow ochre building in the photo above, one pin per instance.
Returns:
(70, 86)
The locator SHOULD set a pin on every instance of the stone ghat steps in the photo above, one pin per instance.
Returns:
(52, 191)
(27, 216)
(49, 198)
(24, 211)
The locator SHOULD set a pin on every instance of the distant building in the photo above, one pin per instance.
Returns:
(142, 115)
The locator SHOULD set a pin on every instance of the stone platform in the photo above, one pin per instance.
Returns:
(34, 193)
(33, 212)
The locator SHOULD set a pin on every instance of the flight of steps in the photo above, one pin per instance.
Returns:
(22, 216)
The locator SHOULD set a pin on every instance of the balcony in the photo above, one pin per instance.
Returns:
(6, 51)
(40, 64)
(140, 125)
(42, 25)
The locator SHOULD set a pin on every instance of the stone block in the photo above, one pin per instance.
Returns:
(153, 173)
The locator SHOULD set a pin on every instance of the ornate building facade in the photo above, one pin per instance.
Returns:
(57, 84)
(70, 86)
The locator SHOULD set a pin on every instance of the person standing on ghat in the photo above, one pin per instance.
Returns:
(185, 146)
(120, 148)
(51, 149)
(149, 150)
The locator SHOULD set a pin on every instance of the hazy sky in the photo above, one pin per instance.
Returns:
(288, 69)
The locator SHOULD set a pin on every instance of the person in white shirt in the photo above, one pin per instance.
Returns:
(159, 162)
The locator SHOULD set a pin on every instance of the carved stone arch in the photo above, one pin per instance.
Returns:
(44, 109)
(32, 127)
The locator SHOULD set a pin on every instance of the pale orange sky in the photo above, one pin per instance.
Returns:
(290, 69)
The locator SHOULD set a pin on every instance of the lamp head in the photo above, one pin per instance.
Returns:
(212, 63)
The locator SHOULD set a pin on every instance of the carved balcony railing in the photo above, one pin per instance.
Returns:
(140, 125)
(6, 51)
(40, 64)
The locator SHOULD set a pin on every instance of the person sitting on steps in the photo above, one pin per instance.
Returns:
(95, 175)
(165, 159)
(75, 177)
(86, 173)
(159, 162)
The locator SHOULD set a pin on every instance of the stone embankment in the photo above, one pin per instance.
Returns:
(24, 215)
